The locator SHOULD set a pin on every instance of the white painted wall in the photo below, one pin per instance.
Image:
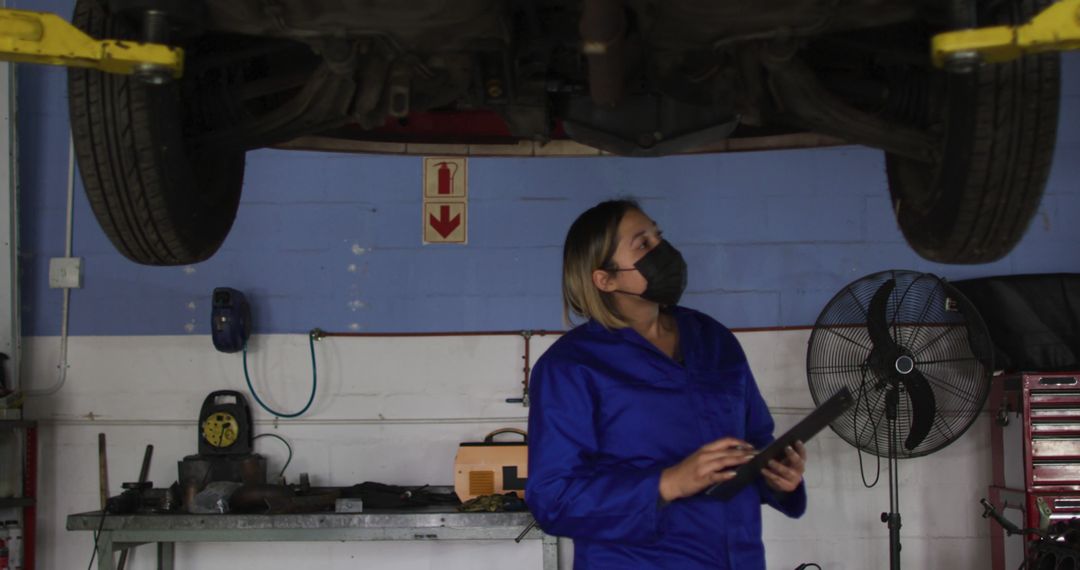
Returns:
(394, 409)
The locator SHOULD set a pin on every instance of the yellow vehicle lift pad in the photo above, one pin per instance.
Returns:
(1057, 28)
(37, 37)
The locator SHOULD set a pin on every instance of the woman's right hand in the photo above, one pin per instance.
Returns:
(713, 463)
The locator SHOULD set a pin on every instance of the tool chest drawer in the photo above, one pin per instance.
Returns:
(1051, 430)
(1056, 448)
(1055, 474)
(1059, 508)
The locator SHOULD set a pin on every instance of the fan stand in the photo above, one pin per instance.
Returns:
(892, 518)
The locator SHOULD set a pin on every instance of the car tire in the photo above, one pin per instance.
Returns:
(158, 200)
(1000, 124)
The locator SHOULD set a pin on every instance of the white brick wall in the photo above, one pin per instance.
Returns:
(394, 409)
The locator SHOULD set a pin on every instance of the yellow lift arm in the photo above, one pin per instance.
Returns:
(38, 37)
(1057, 28)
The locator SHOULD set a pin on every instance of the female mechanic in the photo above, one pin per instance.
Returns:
(642, 408)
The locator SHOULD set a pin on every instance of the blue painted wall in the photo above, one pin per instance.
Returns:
(334, 241)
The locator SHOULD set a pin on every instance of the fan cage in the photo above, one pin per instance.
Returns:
(934, 324)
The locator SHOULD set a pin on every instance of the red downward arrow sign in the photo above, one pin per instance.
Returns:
(444, 224)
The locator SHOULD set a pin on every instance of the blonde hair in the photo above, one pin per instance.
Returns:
(590, 244)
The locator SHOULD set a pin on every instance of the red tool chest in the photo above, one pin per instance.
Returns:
(1035, 438)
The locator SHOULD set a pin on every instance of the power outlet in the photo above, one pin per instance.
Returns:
(65, 273)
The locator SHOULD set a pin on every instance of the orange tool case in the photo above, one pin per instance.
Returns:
(492, 467)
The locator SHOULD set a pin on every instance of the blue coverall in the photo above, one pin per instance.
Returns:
(610, 411)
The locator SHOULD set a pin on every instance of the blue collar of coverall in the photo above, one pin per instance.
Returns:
(630, 335)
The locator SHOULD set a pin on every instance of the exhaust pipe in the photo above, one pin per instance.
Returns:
(603, 34)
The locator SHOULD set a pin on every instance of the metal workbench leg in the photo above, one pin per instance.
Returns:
(551, 552)
(105, 558)
(166, 553)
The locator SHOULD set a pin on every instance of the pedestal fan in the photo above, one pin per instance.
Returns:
(917, 358)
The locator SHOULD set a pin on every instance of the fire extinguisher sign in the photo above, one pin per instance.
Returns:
(446, 200)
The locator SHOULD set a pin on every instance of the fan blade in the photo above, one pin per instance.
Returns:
(877, 320)
(923, 407)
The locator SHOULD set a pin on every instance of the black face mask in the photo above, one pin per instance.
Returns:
(664, 270)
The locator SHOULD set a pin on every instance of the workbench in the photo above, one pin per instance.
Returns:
(428, 523)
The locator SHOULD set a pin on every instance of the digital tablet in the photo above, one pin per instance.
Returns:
(803, 431)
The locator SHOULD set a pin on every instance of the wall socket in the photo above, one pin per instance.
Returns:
(65, 272)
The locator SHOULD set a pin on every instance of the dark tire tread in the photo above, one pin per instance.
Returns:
(1015, 108)
(157, 205)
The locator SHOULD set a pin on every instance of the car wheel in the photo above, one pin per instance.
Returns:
(159, 200)
(999, 126)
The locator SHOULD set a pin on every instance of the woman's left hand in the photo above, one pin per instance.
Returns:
(785, 476)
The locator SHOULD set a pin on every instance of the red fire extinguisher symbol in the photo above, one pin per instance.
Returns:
(446, 177)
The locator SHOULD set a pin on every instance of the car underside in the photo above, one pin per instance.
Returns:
(630, 77)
